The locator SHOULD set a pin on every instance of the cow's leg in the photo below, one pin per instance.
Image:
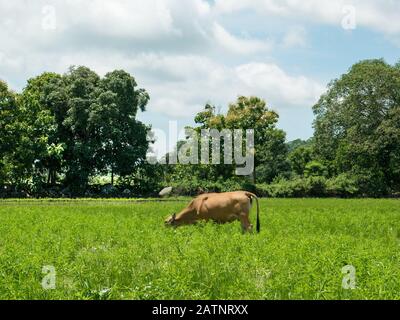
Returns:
(246, 225)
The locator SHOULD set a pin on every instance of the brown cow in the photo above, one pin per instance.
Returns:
(219, 207)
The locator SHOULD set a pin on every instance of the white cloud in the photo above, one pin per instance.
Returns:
(185, 53)
(83, 24)
(202, 7)
(378, 15)
(273, 83)
(180, 85)
(295, 37)
(121, 18)
(189, 82)
(239, 45)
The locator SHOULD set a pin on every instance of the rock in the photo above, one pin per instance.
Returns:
(127, 193)
(165, 192)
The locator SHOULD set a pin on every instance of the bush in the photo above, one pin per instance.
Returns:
(296, 188)
(315, 169)
(343, 185)
(372, 184)
(194, 186)
(367, 184)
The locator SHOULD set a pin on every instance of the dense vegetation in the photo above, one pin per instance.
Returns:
(119, 249)
(77, 135)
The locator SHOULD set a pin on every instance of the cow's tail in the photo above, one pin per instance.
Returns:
(253, 196)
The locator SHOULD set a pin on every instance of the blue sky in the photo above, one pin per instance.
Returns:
(188, 53)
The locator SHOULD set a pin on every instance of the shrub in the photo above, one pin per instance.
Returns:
(343, 185)
(195, 186)
(315, 169)
(372, 184)
(297, 187)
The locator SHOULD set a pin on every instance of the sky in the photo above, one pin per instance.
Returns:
(187, 53)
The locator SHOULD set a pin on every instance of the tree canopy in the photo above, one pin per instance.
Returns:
(357, 124)
(77, 124)
(69, 131)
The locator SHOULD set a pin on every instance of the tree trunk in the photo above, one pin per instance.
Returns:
(53, 177)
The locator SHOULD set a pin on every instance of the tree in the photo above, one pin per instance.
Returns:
(8, 130)
(41, 146)
(81, 125)
(113, 118)
(315, 169)
(299, 158)
(96, 120)
(250, 113)
(356, 125)
(81, 86)
(295, 144)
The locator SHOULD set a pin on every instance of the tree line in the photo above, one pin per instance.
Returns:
(77, 134)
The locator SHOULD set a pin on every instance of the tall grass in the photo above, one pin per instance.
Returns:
(121, 250)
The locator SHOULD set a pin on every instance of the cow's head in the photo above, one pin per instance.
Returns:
(171, 220)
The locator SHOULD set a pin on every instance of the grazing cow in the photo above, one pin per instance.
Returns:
(219, 207)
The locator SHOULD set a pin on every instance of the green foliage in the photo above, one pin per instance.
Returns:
(122, 250)
(298, 187)
(315, 169)
(74, 125)
(112, 117)
(63, 131)
(299, 158)
(193, 186)
(145, 180)
(357, 124)
(271, 160)
(343, 186)
(8, 131)
(19, 141)
(246, 113)
(295, 144)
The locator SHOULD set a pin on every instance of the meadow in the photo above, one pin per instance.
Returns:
(120, 249)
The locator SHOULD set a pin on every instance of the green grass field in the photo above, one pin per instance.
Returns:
(121, 250)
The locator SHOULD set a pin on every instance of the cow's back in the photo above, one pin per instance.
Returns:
(223, 206)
